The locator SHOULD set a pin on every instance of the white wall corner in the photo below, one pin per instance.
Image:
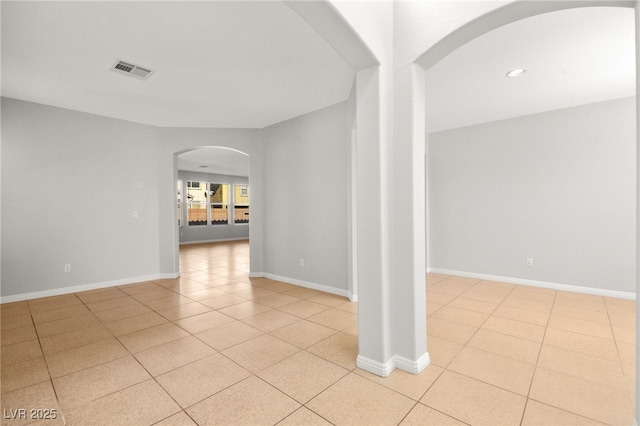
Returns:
(375, 367)
(410, 366)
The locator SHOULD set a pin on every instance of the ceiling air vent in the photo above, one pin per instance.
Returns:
(132, 70)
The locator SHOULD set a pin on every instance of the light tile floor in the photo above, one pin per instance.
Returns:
(215, 347)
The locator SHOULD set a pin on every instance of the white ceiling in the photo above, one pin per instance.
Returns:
(573, 57)
(252, 64)
(242, 64)
(216, 160)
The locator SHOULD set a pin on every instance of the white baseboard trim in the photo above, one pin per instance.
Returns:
(410, 366)
(220, 240)
(375, 367)
(543, 284)
(84, 287)
(396, 361)
(302, 283)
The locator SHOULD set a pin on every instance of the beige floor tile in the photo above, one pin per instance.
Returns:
(74, 339)
(167, 302)
(600, 316)
(589, 328)
(276, 300)
(250, 402)
(143, 403)
(422, 415)
(254, 293)
(505, 373)
(473, 305)
(348, 307)
(129, 325)
(534, 293)
(201, 322)
(106, 305)
(73, 360)
(474, 402)
(432, 308)
(169, 356)
(15, 321)
(18, 335)
(448, 289)
(358, 401)
(183, 311)
(580, 301)
(101, 294)
(54, 302)
(442, 351)
(461, 316)
(340, 348)
(327, 299)
(302, 376)
(122, 312)
(138, 288)
(59, 313)
(537, 414)
(412, 385)
(522, 315)
(515, 328)
(77, 322)
(528, 304)
(8, 310)
(228, 335)
(600, 370)
(487, 293)
(148, 296)
(449, 330)
(23, 374)
(21, 351)
(202, 294)
(303, 333)
(37, 397)
(303, 416)
(270, 320)
(624, 335)
(179, 419)
(622, 319)
(257, 354)
(590, 345)
(304, 308)
(280, 287)
(598, 402)
(434, 296)
(200, 379)
(244, 309)
(95, 382)
(507, 346)
(222, 301)
(150, 337)
(627, 353)
(335, 318)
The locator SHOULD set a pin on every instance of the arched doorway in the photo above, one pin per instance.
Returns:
(213, 196)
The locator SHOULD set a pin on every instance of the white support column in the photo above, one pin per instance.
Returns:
(374, 350)
(637, 29)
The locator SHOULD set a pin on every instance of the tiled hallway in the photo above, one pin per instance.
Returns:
(215, 347)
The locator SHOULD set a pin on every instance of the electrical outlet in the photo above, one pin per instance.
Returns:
(301, 262)
(67, 267)
(529, 261)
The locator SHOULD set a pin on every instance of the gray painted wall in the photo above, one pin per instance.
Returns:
(70, 184)
(191, 234)
(306, 180)
(558, 187)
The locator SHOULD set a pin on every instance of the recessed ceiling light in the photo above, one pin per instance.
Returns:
(516, 72)
(203, 167)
